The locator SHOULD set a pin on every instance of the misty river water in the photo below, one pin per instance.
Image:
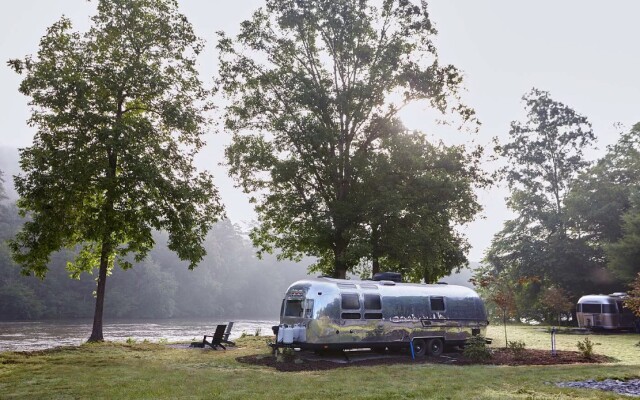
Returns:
(37, 335)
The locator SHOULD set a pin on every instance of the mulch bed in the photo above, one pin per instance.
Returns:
(499, 357)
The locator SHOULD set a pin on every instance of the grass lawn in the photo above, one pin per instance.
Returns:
(149, 371)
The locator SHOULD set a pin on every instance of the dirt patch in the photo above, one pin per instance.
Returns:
(303, 361)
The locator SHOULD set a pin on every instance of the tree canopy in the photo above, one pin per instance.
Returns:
(544, 158)
(119, 113)
(605, 205)
(315, 88)
(416, 194)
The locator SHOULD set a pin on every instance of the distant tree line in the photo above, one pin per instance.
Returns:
(577, 224)
(230, 282)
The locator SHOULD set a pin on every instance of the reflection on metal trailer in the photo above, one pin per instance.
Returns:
(605, 312)
(344, 314)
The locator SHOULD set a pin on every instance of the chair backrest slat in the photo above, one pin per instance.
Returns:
(228, 331)
(219, 333)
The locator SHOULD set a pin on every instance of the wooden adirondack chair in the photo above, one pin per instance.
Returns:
(216, 339)
(225, 337)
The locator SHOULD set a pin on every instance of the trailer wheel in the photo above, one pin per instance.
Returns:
(419, 347)
(435, 347)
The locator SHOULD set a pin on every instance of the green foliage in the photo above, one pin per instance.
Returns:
(316, 84)
(603, 206)
(476, 349)
(119, 118)
(624, 254)
(130, 340)
(544, 159)
(556, 301)
(585, 347)
(500, 291)
(415, 193)
(633, 301)
(258, 332)
(517, 347)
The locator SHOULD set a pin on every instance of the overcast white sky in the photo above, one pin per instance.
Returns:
(586, 53)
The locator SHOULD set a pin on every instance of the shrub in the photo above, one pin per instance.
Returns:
(586, 348)
(476, 349)
(517, 348)
(258, 332)
(131, 340)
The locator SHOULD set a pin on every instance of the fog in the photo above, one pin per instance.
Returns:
(583, 52)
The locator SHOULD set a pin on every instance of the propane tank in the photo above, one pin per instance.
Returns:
(296, 332)
(302, 334)
(287, 337)
(280, 333)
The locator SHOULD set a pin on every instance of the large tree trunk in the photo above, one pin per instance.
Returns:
(340, 257)
(375, 250)
(96, 332)
(107, 245)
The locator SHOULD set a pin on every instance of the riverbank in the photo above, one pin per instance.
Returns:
(151, 370)
(40, 335)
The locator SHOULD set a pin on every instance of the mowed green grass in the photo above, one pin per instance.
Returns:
(151, 371)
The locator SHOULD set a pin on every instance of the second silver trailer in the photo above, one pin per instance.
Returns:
(600, 311)
(327, 313)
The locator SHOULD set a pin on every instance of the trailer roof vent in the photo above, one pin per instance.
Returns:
(388, 283)
(347, 286)
(388, 276)
(368, 286)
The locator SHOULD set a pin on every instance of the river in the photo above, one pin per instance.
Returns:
(38, 335)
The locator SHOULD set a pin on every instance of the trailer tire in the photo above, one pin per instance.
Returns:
(419, 347)
(435, 347)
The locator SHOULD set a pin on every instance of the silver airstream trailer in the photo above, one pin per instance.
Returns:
(326, 313)
(600, 311)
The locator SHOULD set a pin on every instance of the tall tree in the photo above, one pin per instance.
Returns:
(604, 205)
(624, 254)
(416, 195)
(119, 118)
(314, 87)
(544, 156)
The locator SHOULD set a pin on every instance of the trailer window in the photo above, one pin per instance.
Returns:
(350, 301)
(350, 315)
(437, 303)
(609, 309)
(372, 302)
(293, 308)
(591, 308)
(308, 308)
(373, 315)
